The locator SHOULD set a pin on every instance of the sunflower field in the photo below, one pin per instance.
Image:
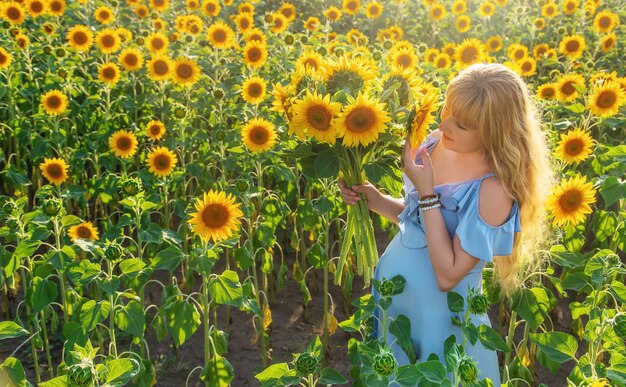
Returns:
(169, 210)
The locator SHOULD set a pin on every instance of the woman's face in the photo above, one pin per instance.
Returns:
(456, 137)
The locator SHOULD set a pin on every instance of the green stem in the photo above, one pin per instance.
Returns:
(509, 342)
(112, 317)
(57, 238)
(46, 344)
(205, 315)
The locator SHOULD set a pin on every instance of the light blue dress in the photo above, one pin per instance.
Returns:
(407, 254)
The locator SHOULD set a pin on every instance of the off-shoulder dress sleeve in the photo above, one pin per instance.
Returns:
(482, 240)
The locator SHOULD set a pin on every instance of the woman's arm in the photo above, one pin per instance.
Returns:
(387, 206)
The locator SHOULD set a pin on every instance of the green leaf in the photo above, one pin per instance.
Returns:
(525, 303)
(272, 374)
(12, 373)
(225, 289)
(146, 206)
(153, 234)
(131, 265)
(407, 375)
(401, 329)
(316, 256)
(619, 290)
(432, 370)
(119, 371)
(11, 330)
(60, 381)
(218, 372)
(557, 346)
(576, 108)
(44, 292)
(491, 339)
(26, 248)
(92, 313)
(84, 272)
(455, 302)
(167, 259)
(70, 220)
(576, 281)
(131, 318)
(183, 321)
(330, 376)
(612, 189)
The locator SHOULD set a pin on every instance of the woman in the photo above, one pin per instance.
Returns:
(474, 190)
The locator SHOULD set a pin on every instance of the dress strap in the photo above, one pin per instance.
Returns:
(487, 175)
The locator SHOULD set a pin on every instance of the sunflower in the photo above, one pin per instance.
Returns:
(161, 161)
(316, 115)
(540, 51)
(14, 12)
(487, 9)
(349, 75)
(22, 41)
(288, 10)
(437, 12)
(575, 146)
(5, 58)
(253, 90)
(572, 46)
(142, 11)
(35, 8)
(606, 99)
(80, 38)
(245, 7)
(405, 83)
(244, 22)
(449, 48)
(517, 51)
(211, 7)
(155, 129)
(185, 72)
(55, 170)
(539, 23)
(56, 7)
(569, 202)
(494, 43)
(104, 15)
(608, 42)
(312, 23)
(605, 21)
(85, 230)
(568, 87)
(310, 59)
(109, 73)
(282, 99)
(131, 59)
(108, 41)
(570, 7)
(374, 10)
(332, 13)
(547, 91)
(549, 10)
(221, 35)
(469, 52)
(254, 54)
(160, 67)
(54, 102)
(362, 121)
(216, 216)
(459, 7)
(192, 5)
(462, 23)
(123, 143)
(259, 135)
(279, 23)
(443, 61)
(527, 66)
(423, 118)
(254, 34)
(159, 5)
(351, 7)
(404, 58)
(157, 43)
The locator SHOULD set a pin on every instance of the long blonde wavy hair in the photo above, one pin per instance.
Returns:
(495, 100)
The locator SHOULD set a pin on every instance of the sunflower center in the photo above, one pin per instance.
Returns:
(606, 99)
(13, 13)
(259, 135)
(254, 54)
(109, 73)
(215, 215)
(319, 117)
(83, 232)
(161, 68)
(609, 42)
(219, 36)
(80, 37)
(570, 6)
(210, 7)
(568, 88)
(157, 44)
(527, 66)
(108, 41)
(572, 46)
(574, 147)
(404, 60)
(244, 23)
(104, 15)
(351, 5)
(155, 129)
(462, 23)
(286, 12)
(54, 170)
(162, 162)
(374, 10)
(469, 54)
(550, 10)
(519, 54)
(442, 62)
(360, 119)
(53, 101)
(3, 58)
(437, 12)
(56, 6)
(570, 201)
(159, 3)
(36, 6)
(124, 143)
(494, 44)
(255, 90)
(131, 59)
(604, 22)
(184, 71)
(311, 62)
(548, 92)
(278, 22)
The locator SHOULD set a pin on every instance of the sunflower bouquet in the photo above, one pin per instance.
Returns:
(349, 112)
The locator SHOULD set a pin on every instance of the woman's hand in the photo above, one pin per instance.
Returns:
(351, 196)
(421, 176)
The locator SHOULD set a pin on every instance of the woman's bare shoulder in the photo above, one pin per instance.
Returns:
(436, 133)
(494, 203)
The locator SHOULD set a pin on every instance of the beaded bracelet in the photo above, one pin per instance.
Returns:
(426, 208)
(429, 199)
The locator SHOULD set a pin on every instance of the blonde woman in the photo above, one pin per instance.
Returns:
(474, 193)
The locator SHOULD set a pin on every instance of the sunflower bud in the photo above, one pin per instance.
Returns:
(304, 39)
(113, 251)
(52, 207)
(269, 18)
(305, 363)
(620, 326)
(63, 74)
(9, 207)
(220, 135)
(130, 186)
(60, 52)
(377, 56)
(478, 304)
(289, 39)
(385, 363)
(468, 370)
(47, 50)
(218, 93)
(189, 39)
(369, 324)
(6, 25)
(242, 185)
(48, 28)
(140, 41)
(179, 112)
(386, 288)
(387, 44)
(339, 52)
(12, 223)
(80, 374)
(322, 50)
